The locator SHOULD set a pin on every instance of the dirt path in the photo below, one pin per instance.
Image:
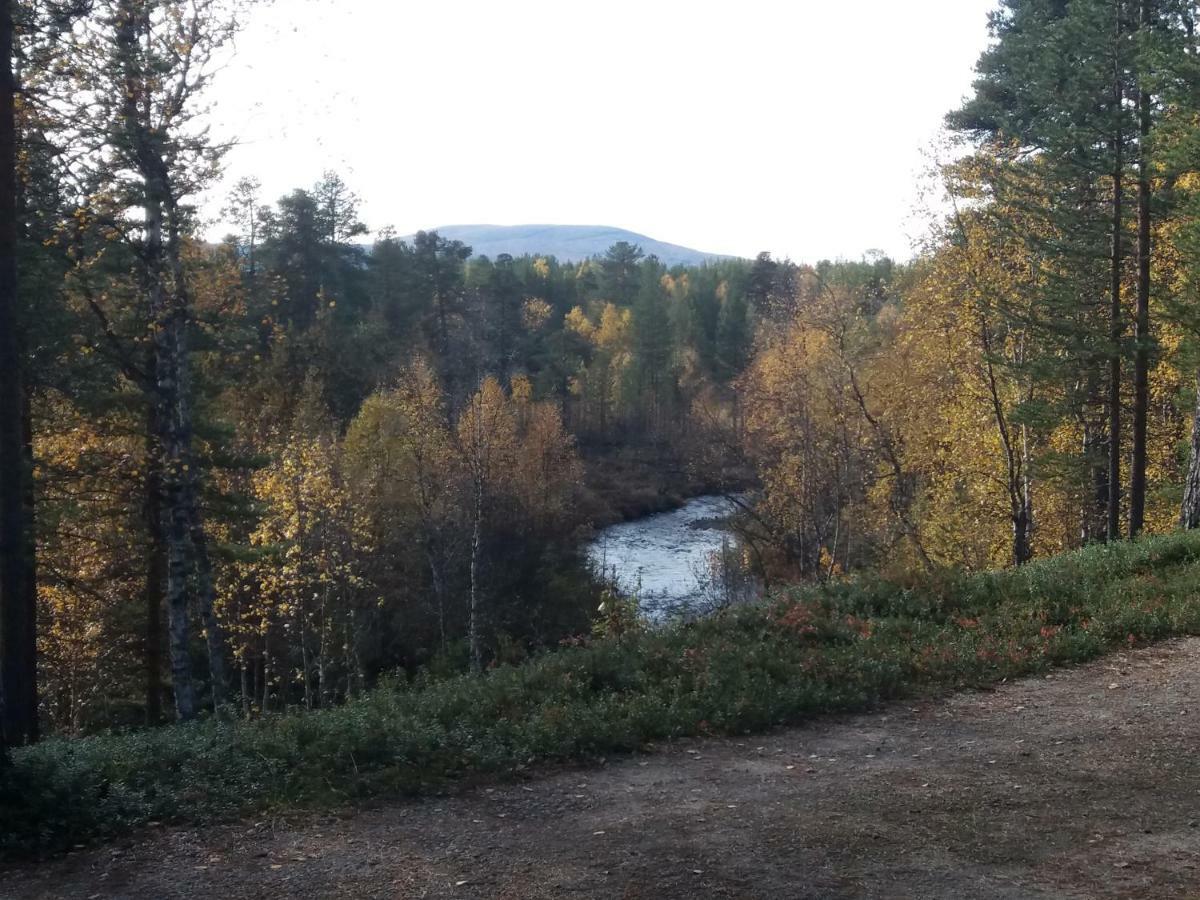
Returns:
(1085, 784)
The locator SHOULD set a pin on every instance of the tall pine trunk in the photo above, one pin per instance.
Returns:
(1113, 531)
(1141, 359)
(169, 313)
(1094, 501)
(205, 584)
(1117, 259)
(171, 417)
(178, 545)
(29, 500)
(156, 573)
(18, 638)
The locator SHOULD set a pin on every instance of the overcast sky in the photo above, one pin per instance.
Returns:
(794, 126)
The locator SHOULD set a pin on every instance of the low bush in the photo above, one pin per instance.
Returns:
(836, 647)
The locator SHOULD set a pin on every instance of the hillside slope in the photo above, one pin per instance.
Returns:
(566, 242)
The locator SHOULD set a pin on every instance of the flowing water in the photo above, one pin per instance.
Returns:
(665, 560)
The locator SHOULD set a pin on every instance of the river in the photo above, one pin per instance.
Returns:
(665, 560)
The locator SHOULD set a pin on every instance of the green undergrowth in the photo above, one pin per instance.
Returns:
(837, 647)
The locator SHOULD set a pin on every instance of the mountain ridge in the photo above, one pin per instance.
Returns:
(568, 242)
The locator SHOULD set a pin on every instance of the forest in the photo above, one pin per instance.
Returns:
(279, 471)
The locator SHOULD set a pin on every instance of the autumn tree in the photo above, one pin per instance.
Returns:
(306, 582)
(487, 444)
(401, 462)
(602, 370)
(974, 300)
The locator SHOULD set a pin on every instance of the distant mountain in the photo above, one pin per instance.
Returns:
(566, 242)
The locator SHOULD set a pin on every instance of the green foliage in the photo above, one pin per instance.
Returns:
(840, 646)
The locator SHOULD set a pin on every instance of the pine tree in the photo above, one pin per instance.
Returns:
(148, 61)
(652, 346)
(733, 337)
(1166, 83)
(1053, 89)
(619, 272)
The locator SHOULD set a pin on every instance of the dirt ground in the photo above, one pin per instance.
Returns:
(1083, 784)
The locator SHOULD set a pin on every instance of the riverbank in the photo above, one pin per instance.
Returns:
(840, 647)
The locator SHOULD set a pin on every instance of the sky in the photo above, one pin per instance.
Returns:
(794, 126)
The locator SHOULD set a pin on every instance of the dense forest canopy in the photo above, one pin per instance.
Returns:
(268, 472)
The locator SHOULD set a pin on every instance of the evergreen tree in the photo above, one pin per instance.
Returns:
(652, 352)
(619, 272)
(1053, 88)
(148, 61)
(733, 337)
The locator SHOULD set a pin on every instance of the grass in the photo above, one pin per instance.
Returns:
(839, 647)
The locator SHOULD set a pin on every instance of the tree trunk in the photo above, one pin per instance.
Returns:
(323, 653)
(172, 419)
(18, 629)
(156, 575)
(305, 662)
(1190, 514)
(476, 538)
(205, 586)
(169, 310)
(1141, 359)
(267, 671)
(244, 674)
(178, 567)
(439, 591)
(206, 596)
(29, 500)
(1022, 551)
(1023, 526)
(1095, 488)
(1114, 361)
